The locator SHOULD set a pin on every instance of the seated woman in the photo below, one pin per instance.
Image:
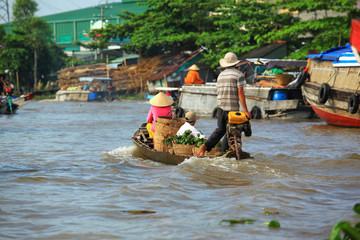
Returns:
(160, 107)
(193, 76)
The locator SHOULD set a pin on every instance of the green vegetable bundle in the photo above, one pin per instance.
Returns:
(185, 139)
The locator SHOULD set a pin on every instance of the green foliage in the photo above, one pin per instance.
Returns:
(217, 26)
(70, 61)
(240, 28)
(222, 26)
(317, 33)
(24, 9)
(356, 208)
(185, 139)
(166, 25)
(29, 51)
(237, 221)
(274, 224)
(343, 229)
(45, 96)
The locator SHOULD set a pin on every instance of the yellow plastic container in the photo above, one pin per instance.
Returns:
(236, 117)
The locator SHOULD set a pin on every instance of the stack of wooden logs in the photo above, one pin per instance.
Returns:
(130, 78)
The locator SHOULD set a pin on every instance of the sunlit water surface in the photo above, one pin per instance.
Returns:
(67, 171)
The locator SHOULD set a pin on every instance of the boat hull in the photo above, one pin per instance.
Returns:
(343, 83)
(336, 118)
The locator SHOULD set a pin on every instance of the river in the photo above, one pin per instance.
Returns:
(67, 172)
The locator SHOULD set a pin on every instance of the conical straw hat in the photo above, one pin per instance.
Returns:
(161, 100)
(194, 67)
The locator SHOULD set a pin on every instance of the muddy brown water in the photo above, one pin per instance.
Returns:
(67, 171)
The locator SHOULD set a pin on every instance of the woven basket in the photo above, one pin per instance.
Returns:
(184, 150)
(284, 78)
(165, 126)
(158, 143)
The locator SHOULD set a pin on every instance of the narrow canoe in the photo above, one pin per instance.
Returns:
(145, 150)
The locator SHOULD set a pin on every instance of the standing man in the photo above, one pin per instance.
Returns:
(230, 90)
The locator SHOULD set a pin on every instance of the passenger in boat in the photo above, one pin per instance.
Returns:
(193, 76)
(259, 69)
(230, 90)
(9, 89)
(160, 107)
(190, 118)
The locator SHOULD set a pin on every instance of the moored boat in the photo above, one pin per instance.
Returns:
(263, 101)
(144, 148)
(332, 86)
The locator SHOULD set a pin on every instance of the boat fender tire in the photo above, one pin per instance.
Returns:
(301, 80)
(214, 113)
(324, 93)
(353, 104)
(256, 113)
(179, 112)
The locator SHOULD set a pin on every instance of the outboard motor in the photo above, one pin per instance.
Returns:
(238, 123)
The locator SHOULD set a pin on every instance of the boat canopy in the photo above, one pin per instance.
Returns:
(342, 56)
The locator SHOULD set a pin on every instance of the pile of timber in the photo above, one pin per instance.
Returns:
(130, 78)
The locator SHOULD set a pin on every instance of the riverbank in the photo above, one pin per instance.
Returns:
(120, 97)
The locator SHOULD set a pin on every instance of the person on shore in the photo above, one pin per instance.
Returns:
(190, 118)
(160, 107)
(230, 90)
(193, 76)
(2, 85)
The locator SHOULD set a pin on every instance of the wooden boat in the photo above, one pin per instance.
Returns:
(333, 83)
(144, 148)
(8, 108)
(16, 104)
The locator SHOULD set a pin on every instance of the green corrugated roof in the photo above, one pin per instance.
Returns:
(111, 10)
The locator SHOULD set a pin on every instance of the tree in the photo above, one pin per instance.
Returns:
(240, 28)
(166, 25)
(15, 56)
(24, 9)
(320, 33)
(35, 30)
(218, 26)
(100, 40)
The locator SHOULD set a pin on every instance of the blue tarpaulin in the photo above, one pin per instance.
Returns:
(342, 56)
